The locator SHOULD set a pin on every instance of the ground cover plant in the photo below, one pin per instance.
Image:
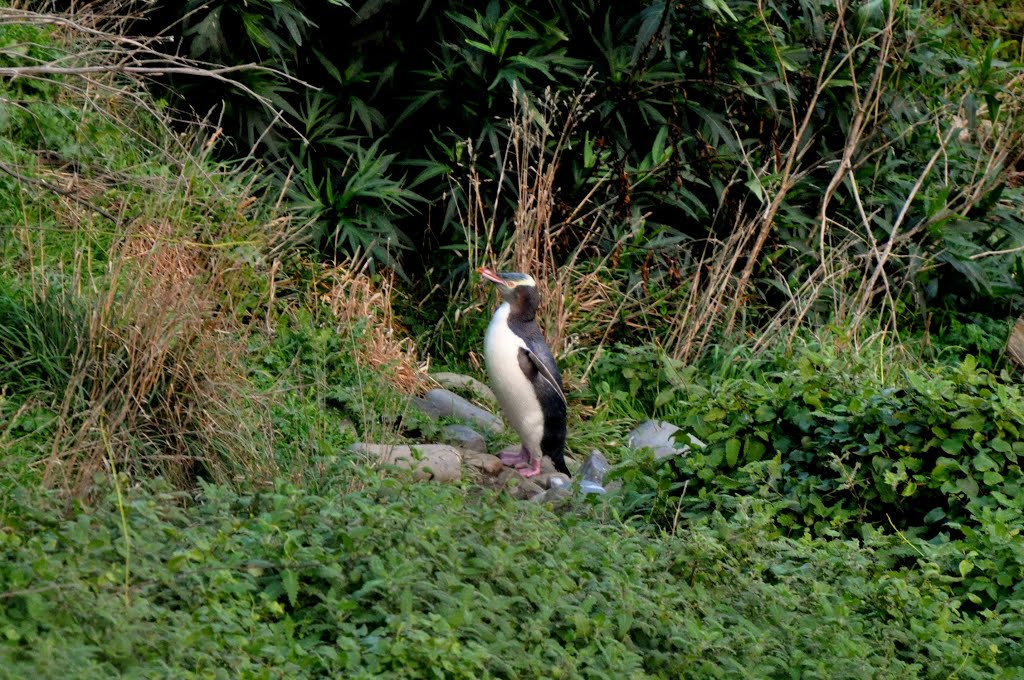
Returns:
(814, 271)
(399, 581)
(930, 451)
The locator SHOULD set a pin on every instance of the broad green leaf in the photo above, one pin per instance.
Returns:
(715, 415)
(968, 486)
(753, 450)
(1001, 445)
(953, 445)
(664, 396)
(290, 582)
(972, 421)
(732, 452)
(983, 462)
(992, 478)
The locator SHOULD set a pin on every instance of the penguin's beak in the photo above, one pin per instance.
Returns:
(491, 276)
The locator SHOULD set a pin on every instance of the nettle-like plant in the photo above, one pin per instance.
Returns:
(831, 445)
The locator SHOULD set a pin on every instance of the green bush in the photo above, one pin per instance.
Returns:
(834, 443)
(390, 580)
(696, 126)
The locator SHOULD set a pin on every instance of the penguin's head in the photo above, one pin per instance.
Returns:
(519, 290)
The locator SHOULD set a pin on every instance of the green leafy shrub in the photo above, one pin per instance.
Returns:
(768, 142)
(978, 335)
(392, 580)
(850, 447)
(834, 443)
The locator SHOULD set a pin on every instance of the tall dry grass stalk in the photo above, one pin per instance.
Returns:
(852, 279)
(547, 249)
(155, 387)
(356, 298)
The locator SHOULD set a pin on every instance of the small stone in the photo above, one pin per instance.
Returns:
(556, 495)
(560, 482)
(457, 381)
(521, 488)
(549, 480)
(439, 462)
(594, 468)
(442, 403)
(466, 438)
(482, 461)
(660, 437)
(525, 490)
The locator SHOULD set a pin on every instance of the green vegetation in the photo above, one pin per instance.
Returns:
(426, 581)
(833, 162)
(795, 231)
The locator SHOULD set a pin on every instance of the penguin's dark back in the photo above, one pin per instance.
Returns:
(529, 331)
(552, 444)
(552, 402)
(521, 321)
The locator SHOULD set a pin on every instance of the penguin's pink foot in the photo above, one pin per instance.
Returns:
(514, 458)
(531, 469)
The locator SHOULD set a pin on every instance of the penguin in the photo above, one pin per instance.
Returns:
(524, 375)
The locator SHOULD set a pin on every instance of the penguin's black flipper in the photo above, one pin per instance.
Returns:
(548, 386)
(531, 365)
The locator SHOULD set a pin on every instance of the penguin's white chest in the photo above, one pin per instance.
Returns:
(514, 392)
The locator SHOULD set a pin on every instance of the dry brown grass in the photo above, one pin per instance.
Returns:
(355, 297)
(538, 245)
(156, 387)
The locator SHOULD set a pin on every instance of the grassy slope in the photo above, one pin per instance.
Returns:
(345, 573)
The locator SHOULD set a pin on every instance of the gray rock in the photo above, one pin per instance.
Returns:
(594, 468)
(427, 407)
(464, 437)
(457, 381)
(559, 482)
(482, 461)
(556, 495)
(660, 438)
(548, 480)
(440, 403)
(525, 490)
(518, 486)
(427, 461)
